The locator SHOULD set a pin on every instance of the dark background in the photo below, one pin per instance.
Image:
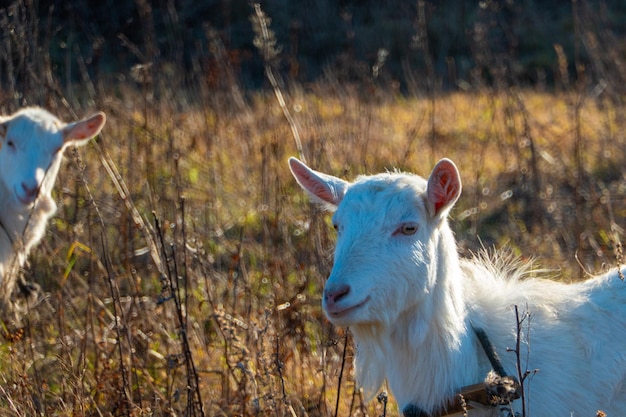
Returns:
(444, 44)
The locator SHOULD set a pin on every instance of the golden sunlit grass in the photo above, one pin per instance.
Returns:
(247, 253)
(183, 272)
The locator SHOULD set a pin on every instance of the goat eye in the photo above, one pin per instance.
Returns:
(408, 229)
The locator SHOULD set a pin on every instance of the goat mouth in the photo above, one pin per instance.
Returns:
(24, 199)
(340, 313)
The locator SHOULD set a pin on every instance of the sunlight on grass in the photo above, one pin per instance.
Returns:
(247, 255)
(257, 334)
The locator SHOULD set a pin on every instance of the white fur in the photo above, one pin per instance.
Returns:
(32, 142)
(411, 302)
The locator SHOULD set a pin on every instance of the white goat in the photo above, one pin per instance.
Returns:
(32, 142)
(412, 304)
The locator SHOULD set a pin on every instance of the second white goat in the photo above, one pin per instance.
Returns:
(32, 142)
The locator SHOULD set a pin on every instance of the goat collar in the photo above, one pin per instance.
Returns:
(497, 389)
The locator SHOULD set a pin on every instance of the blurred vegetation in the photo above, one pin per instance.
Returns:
(453, 42)
(182, 274)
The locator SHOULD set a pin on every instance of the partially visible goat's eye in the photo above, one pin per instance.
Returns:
(406, 229)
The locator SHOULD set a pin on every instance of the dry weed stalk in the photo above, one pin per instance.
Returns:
(522, 372)
(265, 41)
(180, 298)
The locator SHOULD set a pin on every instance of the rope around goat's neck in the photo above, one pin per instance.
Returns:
(490, 351)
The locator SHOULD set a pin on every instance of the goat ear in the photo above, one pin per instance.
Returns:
(444, 188)
(324, 189)
(79, 133)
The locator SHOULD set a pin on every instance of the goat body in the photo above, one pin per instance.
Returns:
(32, 142)
(411, 303)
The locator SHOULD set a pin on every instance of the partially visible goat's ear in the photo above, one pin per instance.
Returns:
(79, 133)
(444, 188)
(324, 189)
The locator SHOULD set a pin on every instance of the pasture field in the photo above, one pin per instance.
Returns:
(226, 317)
(183, 272)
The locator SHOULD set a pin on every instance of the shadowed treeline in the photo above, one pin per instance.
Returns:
(451, 44)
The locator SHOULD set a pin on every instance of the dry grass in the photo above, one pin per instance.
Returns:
(225, 318)
(247, 254)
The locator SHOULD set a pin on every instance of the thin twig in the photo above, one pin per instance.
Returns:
(382, 398)
(522, 375)
(266, 42)
(192, 374)
(343, 364)
(114, 290)
(115, 296)
(174, 291)
(124, 193)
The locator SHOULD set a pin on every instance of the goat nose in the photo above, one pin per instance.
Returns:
(334, 294)
(30, 190)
